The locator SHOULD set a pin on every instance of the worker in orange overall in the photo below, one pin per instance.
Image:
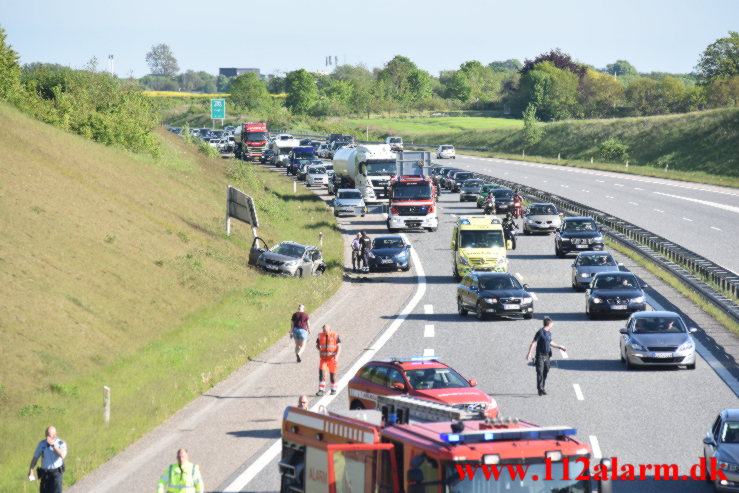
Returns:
(329, 346)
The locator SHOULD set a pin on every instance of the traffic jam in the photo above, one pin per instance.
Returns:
(416, 424)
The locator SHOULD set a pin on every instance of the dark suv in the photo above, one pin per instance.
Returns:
(503, 199)
(459, 178)
(577, 234)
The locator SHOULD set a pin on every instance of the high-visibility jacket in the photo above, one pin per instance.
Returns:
(328, 344)
(185, 479)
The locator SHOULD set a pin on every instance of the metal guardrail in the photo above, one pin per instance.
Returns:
(409, 144)
(679, 261)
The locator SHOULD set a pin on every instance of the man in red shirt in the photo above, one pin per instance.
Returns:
(299, 330)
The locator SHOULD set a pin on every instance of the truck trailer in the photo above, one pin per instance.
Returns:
(367, 168)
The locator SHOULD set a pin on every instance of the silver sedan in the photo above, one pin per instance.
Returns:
(657, 338)
(541, 218)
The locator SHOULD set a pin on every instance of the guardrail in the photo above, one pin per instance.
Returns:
(410, 144)
(686, 265)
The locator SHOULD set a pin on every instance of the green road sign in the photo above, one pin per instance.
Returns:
(217, 109)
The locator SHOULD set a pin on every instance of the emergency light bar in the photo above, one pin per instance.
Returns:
(543, 433)
(414, 359)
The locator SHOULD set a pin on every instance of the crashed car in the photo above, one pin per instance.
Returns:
(287, 258)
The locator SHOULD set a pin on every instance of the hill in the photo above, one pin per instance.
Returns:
(115, 270)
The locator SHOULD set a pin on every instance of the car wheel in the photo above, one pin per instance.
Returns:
(691, 367)
(406, 268)
(558, 252)
(356, 404)
(528, 316)
(460, 308)
(320, 270)
(480, 312)
(432, 230)
(629, 366)
(299, 272)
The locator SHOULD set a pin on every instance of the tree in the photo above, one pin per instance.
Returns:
(723, 91)
(720, 59)
(509, 65)
(553, 92)
(403, 82)
(599, 94)
(302, 92)
(458, 86)
(533, 132)
(161, 61)
(642, 96)
(620, 68)
(10, 71)
(223, 83)
(562, 61)
(248, 91)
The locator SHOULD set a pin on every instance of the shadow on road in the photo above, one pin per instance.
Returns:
(268, 433)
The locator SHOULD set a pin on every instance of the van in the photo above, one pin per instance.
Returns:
(478, 243)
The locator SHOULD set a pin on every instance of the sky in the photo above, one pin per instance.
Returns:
(280, 36)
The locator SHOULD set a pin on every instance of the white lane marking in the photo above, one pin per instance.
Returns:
(600, 181)
(637, 188)
(545, 181)
(428, 352)
(519, 276)
(659, 210)
(506, 173)
(565, 186)
(617, 185)
(533, 295)
(428, 309)
(428, 331)
(578, 392)
(717, 229)
(609, 197)
(586, 191)
(688, 219)
(633, 203)
(717, 205)
(274, 450)
(564, 354)
(525, 177)
(597, 455)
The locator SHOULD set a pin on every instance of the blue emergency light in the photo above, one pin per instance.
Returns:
(546, 433)
(415, 359)
(464, 221)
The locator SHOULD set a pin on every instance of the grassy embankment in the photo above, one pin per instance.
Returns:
(115, 270)
(698, 146)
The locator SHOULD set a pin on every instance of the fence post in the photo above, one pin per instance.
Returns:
(106, 404)
(591, 159)
(295, 187)
(557, 156)
(320, 239)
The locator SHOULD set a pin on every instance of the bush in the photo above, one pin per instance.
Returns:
(613, 150)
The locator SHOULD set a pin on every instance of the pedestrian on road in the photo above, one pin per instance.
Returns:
(366, 243)
(299, 330)
(357, 252)
(543, 344)
(53, 450)
(182, 477)
(303, 402)
(329, 346)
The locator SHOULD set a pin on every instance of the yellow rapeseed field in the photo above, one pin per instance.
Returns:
(176, 94)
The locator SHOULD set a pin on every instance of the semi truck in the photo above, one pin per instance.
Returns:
(411, 194)
(251, 141)
(281, 148)
(413, 446)
(367, 168)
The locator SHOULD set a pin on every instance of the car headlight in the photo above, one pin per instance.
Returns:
(501, 261)
(584, 274)
(530, 221)
(637, 347)
(686, 346)
(638, 299)
(596, 300)
(598, 239)
(565, 240)
(464, 261)
(491, 300)
(527, 299)
(402, 254)
(371, 255)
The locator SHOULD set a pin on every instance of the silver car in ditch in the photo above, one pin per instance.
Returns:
(541, 218)
(348, 201)
(657, 338)
(588, 264)
(292, 259)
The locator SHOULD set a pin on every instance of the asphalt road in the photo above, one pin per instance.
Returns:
(642, 417)
(702, 218)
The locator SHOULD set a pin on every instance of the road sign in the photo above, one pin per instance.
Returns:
(217, 109)
(241, 206)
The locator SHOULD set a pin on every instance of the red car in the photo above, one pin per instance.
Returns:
(425, 378)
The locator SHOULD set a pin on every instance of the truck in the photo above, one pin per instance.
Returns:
(281, 148)
(298, 157)
(395, 143)
(367, 168)
(345, 138)
(411, 194)
(415, 446)
(250, 141)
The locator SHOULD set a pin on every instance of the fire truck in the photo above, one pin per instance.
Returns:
(252, 142)
(411, 194)
(412, 445)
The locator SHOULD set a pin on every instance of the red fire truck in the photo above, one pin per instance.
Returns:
(411, 445)
(252, 143)
(412, 194)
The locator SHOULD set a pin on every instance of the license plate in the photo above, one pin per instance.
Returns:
(662, 355)
(387, 261)
(511, 307)
(618, 307)
(271, 267)
(581, 246)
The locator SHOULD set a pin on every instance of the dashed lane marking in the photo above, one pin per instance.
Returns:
(578, 392)
(717, 205)
(428, 309)
(659, 210)
(688, 219)
(717, 229)
(428, 352)
(597, 455)
(633, 203)
(618, 184)
(608, 197)
(428, 331)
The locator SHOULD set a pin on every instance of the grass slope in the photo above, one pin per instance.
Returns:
(425, 126)
(115, 270)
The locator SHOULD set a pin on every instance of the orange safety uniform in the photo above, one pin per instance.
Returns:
(328, 345)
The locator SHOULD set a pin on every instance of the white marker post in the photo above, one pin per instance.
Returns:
(106, 404)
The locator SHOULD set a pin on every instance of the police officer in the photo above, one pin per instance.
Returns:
(357, 252)
(544, 344)
(329, 347)
(54, 450)
(509, 228)
(182, 477)
(366, 244)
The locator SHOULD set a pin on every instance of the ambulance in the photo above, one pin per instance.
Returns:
(478, 243)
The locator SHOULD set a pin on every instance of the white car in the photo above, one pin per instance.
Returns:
(322, 149)
(316, 175)
(446, 152)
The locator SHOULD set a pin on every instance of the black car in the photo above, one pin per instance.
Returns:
(389, 253)
(503, 199)
(267, 156)
(438, 173)
(494, 293)
(614, 293)
(459, 178)
(446, 176)
(577, 234)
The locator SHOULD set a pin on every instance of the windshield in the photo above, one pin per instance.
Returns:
(595, 260)
(436, 378)
(580, 225)
(651, 325)
(329, 167)
(350, 195)
(615, 281)
(499, 283)
(510, 480)
(388, 243)
(730, 432)
(303, 155)
(412, 191)
(380, 168)
(318, 170)
(502, 194)
(488, 188)
(284, 151)
(395, 140)
(256, 136)
(447, 148)
(481, 239)
(288, 250)
(472, 184)
(462, 176)
(542, 210)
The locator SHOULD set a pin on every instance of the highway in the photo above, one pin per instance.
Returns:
(653, 416)
(702, 218)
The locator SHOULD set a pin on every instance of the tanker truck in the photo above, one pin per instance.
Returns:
(367, 168)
